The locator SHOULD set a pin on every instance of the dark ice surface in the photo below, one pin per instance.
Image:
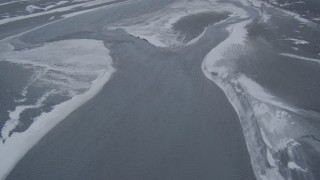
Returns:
(10, 73)
(191, 26)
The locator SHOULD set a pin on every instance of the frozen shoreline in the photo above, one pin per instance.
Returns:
(268, 122)
(18, 144)
(214, 70)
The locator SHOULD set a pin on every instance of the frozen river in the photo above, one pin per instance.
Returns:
(153, 89)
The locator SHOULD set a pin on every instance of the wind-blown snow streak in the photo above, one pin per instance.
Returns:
(300, 57)
(297, 41)
(6, 3)
(88, 60)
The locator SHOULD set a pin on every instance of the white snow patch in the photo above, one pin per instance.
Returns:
(286, 142)
(293, 165)
(93, 9)
(255, 89)
(265, 17)
(31, 8)
(270, 158)
(54, 5)
(265, 139)
(237, 36)
(88, 56)
(14, 115)
(261, 109)
(20, 100)
(273, 119)
(299, 2)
